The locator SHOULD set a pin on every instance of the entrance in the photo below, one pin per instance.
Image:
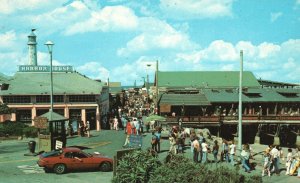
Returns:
(91, 117)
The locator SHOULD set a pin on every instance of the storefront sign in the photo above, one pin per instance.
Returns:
(45, 68)
(165, 108)
(41, 122)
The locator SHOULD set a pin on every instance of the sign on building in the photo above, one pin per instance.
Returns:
(45, 68)
(165, 108)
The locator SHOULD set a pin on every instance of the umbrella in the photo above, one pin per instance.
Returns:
(155, 117)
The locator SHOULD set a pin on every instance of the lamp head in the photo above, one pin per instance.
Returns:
(49, 44)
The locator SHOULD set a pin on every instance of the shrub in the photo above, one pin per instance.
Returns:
(136, 167)
(30, 131)
(12, 128)
(141, 167)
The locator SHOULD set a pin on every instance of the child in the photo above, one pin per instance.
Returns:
(267, 162)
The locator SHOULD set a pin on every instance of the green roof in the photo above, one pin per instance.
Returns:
(205, 79)
(252, 95)
(186, 99)
(3, 78)
(53, 116)
(70, 83)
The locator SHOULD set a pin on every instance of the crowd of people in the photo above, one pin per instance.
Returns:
(129, 118)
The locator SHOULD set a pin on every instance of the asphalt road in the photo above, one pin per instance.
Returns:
(15, 167)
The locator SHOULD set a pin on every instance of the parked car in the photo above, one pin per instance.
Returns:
(71, 158)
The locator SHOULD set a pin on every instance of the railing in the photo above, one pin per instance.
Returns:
(216, 119)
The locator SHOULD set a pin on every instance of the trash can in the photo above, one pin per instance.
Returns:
(31, 146)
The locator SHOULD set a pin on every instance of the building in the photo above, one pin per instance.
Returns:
(75, 96)
(210, 99)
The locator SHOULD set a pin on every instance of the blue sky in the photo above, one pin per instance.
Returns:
(116, 39)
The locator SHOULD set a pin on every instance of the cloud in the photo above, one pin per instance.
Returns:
(282, 59)
(275, 16)
(12, 6)
(191, 9)
(110, 18)
(156, 34)
(94, 70)
(8, 40)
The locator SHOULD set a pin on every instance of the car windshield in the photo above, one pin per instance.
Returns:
(51, 153)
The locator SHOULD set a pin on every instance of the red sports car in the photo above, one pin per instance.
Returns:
(71, 158)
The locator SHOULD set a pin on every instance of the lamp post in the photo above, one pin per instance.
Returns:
(240, 103)
(144, 81)
(49, 44)
(148, 65)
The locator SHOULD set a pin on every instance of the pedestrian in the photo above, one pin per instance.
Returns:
(224, 153)
(245, 155)
(204, 148)
(81, 128)
(232, 150)
(154, 140)
(116, 124)
(158, 135)
(274, 158)
(172, 140)
(196, 149)
(87, 129)
(267, 163)
(289, 158)
(215, 151)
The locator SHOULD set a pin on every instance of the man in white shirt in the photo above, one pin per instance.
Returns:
(274, 157)
(232, 149)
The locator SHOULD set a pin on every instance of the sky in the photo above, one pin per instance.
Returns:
(118, 39)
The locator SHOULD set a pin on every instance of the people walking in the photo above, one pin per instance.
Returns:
(245, 155)
(232, 150)
(215, 151)
(87, 129)
(196, 149)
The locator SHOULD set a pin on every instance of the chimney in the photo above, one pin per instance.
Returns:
(32, 48)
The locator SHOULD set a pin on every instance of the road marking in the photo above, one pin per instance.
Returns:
(29, 169)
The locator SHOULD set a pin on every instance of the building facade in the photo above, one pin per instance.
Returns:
(75, 96)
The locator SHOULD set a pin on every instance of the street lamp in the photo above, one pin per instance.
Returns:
(148, 65)
(49, 44)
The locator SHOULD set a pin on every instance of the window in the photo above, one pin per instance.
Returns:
(46, 98)
(82, 98)
(253, 95)
(289, 95)
(16, 99)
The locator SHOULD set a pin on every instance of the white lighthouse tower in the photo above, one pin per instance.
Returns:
(32, 48)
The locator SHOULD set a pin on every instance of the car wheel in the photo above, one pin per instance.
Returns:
(105, 166)
(60, 168)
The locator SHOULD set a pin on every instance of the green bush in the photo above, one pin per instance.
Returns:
(4, 109)
(136, 167)
(30, 131)
(180, 169)
(12, 128)
(141, 167)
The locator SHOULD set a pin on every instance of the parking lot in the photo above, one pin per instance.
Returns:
(15, 167)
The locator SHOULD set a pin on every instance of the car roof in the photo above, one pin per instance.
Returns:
(71, 149)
